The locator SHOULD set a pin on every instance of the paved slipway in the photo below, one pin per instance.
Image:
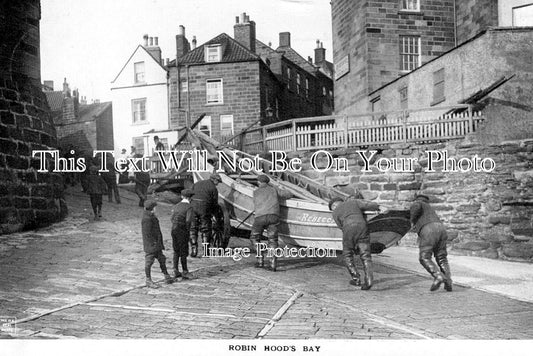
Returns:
(84, 279)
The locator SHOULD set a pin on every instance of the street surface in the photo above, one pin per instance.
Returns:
(85, 279)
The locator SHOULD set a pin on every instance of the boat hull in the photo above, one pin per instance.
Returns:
(305, 223)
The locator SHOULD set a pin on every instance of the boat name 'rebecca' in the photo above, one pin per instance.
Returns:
(315, 219)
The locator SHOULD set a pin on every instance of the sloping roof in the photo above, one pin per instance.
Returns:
(233, 52)
(92, 111)
(54, 99)
(129, 59)
(295, 58)
(260, 47)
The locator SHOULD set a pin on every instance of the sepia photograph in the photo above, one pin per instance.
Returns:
(258, 177)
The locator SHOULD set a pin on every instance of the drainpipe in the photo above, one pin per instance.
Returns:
(454, 24)
(188, 122)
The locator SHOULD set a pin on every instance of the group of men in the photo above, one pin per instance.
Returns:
(194, 214)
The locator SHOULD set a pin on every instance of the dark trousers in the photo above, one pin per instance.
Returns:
(149, 259)
(112, 189)
(355, 237)
(96, 203)
(201, 222)
(141, 190)
(432, 241)
(270, 223)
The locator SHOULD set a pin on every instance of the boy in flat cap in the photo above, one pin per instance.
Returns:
(182, 218)
(432, 240)
(266, 209)
(153, 244)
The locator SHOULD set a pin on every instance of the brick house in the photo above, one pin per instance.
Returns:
(238, 81)
(79, 126)
(375, 43)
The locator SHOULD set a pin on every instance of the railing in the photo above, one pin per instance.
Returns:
(376, 129)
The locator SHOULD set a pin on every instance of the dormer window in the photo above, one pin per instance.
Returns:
(213, 53)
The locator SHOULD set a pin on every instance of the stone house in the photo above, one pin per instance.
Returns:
(375, 43)
(80, 126)
(238, 81)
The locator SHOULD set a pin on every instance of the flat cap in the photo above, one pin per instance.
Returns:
(150, 205)
(263, 178)
(422, 197)
(332, 201)
(187, 193)
(216, 176)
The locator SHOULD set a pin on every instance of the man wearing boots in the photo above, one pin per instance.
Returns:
(350, 219)
(182, 216)
(432, 241)
(266, 208)
(204, 204)
(153, 244)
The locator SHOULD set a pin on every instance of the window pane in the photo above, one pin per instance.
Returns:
(410, 53)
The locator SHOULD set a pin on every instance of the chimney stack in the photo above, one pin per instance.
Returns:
(284, 39)
(152, 48)
(66, 89)
(320, 52)
(244, 31)
(193, 42)
(182, 44)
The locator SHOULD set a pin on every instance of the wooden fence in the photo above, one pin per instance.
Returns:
(376, 129)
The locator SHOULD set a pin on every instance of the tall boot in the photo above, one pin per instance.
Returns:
(430, 266)
(193, 238)
(350, 265)
(273, 263)
(442, 261)
(368, 268)
(175, 259)
(206, 238)
(149, 282)
(259, 255)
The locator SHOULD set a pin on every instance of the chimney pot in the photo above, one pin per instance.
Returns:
(156, 40)
(145, 37)
(193, 42)
(181, 30)
(151, 41)
(236, 19)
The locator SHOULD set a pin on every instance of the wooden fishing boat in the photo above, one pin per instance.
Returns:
(305, 218)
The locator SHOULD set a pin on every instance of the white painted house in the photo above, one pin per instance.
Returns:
(141, 101)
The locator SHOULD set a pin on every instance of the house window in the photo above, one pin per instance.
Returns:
(410, 5)
(410, 55)
(288, 78)
(205, 125)
(214, 91)
(324, 92)
(298, 83)
(438, 87)
(306, 87)
(138, 69)
(138, 143)
(403, 98)
(226, 125)
(184, 86)
(213, 53)
(138, 108)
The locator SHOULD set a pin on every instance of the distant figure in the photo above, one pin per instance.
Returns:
(158, 144)
(153, 244)
(123, 177)
(142, 181)
(205, 205)
(350, 219)
(432, 241)
(96, 187)
(111, 181)
(267, 209)
(182, 218)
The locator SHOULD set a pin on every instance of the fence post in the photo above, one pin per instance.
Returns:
(345, 131)
(294, 135)
(404, 126)
(264, 133)
(470, 119)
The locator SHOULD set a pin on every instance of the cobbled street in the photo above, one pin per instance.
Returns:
(85, 279)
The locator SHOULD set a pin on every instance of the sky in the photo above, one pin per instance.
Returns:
(88, 41)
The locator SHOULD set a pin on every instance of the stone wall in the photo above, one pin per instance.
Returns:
(486, 214)
(27, 199)
(474, 16)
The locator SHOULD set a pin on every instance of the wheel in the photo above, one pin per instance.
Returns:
(221, 227)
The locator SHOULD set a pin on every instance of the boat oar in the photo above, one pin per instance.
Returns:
(246, 218)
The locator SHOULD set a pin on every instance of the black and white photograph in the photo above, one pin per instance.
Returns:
(266, 177)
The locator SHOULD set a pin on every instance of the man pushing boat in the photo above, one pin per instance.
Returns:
(350, 219)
